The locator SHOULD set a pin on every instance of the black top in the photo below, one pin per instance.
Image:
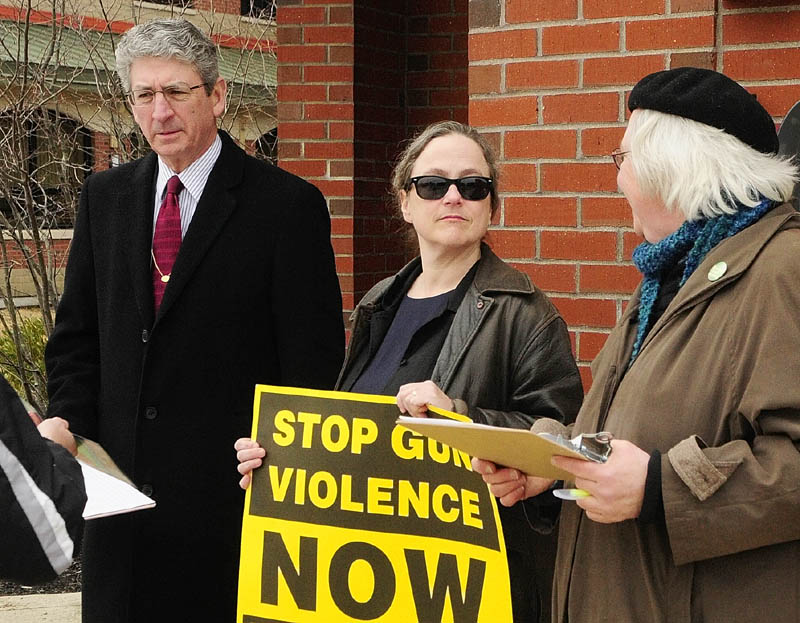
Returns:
(408, 348)
(670, 284)
(411, 316)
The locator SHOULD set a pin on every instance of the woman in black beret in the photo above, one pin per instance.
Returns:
(696, 514)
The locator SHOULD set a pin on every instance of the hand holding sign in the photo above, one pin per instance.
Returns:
(414, 398)
(250, 455)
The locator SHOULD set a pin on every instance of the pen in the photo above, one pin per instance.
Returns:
(571, 494)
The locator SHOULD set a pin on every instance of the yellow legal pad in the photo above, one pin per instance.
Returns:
(511, 447)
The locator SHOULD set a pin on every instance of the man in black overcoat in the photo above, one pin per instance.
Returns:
(157, 359)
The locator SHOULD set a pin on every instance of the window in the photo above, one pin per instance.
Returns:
(47, 172)
(262, 9)
(267, 146)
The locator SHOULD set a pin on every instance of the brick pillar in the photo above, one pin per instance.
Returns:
(345, 84)
(101, 146)
(316, 112)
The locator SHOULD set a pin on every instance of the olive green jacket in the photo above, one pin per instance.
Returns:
(716, 389)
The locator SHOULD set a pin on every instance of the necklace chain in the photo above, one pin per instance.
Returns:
(164, 278)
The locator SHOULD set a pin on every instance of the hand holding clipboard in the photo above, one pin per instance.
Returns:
(525, 450)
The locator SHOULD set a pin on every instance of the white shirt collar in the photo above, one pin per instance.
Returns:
(193, 177)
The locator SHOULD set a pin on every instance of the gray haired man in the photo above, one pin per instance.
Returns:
(194, 273)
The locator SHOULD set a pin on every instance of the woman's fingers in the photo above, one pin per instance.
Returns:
(250, 454)
(503, 489)
(414, 398)
(243, 443)
(245, 467)
(482, 466)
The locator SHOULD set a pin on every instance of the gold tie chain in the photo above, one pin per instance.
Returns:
(164, 278)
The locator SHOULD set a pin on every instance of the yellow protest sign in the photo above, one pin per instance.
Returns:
(352, 518)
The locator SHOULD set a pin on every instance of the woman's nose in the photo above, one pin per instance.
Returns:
(452, 194)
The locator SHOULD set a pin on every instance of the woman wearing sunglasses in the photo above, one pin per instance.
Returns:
(460, 329)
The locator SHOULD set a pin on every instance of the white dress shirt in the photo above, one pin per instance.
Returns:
(193, 177)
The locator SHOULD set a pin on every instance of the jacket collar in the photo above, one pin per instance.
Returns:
(493, 275)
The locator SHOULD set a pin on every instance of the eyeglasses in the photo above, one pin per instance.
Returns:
(618, 156)
(471, 188)
(176, 93)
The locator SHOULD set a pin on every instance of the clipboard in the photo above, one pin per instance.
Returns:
(511, 447)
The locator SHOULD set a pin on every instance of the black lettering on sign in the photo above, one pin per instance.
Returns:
(301, 579)
(345, 464)
(430, 603)
(383, 588)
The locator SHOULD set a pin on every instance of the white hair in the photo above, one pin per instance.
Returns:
(701, 170)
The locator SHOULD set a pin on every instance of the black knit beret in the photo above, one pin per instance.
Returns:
(711, 98)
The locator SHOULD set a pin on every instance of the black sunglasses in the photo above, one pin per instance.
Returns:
(471, 188)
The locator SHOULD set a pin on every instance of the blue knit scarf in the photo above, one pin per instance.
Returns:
(693, 240)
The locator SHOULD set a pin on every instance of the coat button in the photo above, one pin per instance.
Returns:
(479, 304)
(151, 413)
(147, 490)
(145, 335)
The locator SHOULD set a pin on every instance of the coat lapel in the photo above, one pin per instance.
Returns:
(137, 201)
(493, 275)
(215, 207)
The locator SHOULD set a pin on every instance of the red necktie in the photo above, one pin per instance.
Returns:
(166, 239)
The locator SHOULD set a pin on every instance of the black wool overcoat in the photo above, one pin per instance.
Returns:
(253, 298)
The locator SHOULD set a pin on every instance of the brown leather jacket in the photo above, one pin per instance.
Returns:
(507, 358)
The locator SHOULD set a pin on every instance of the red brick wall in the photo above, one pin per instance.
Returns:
(60, 251)
(436, 62)
(379, 92)
(410, 69)
(548, 82)
(316, 118)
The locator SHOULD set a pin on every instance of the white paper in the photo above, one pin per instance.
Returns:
(107, 495)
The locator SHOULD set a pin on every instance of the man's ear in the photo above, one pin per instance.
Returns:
(218, 93)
